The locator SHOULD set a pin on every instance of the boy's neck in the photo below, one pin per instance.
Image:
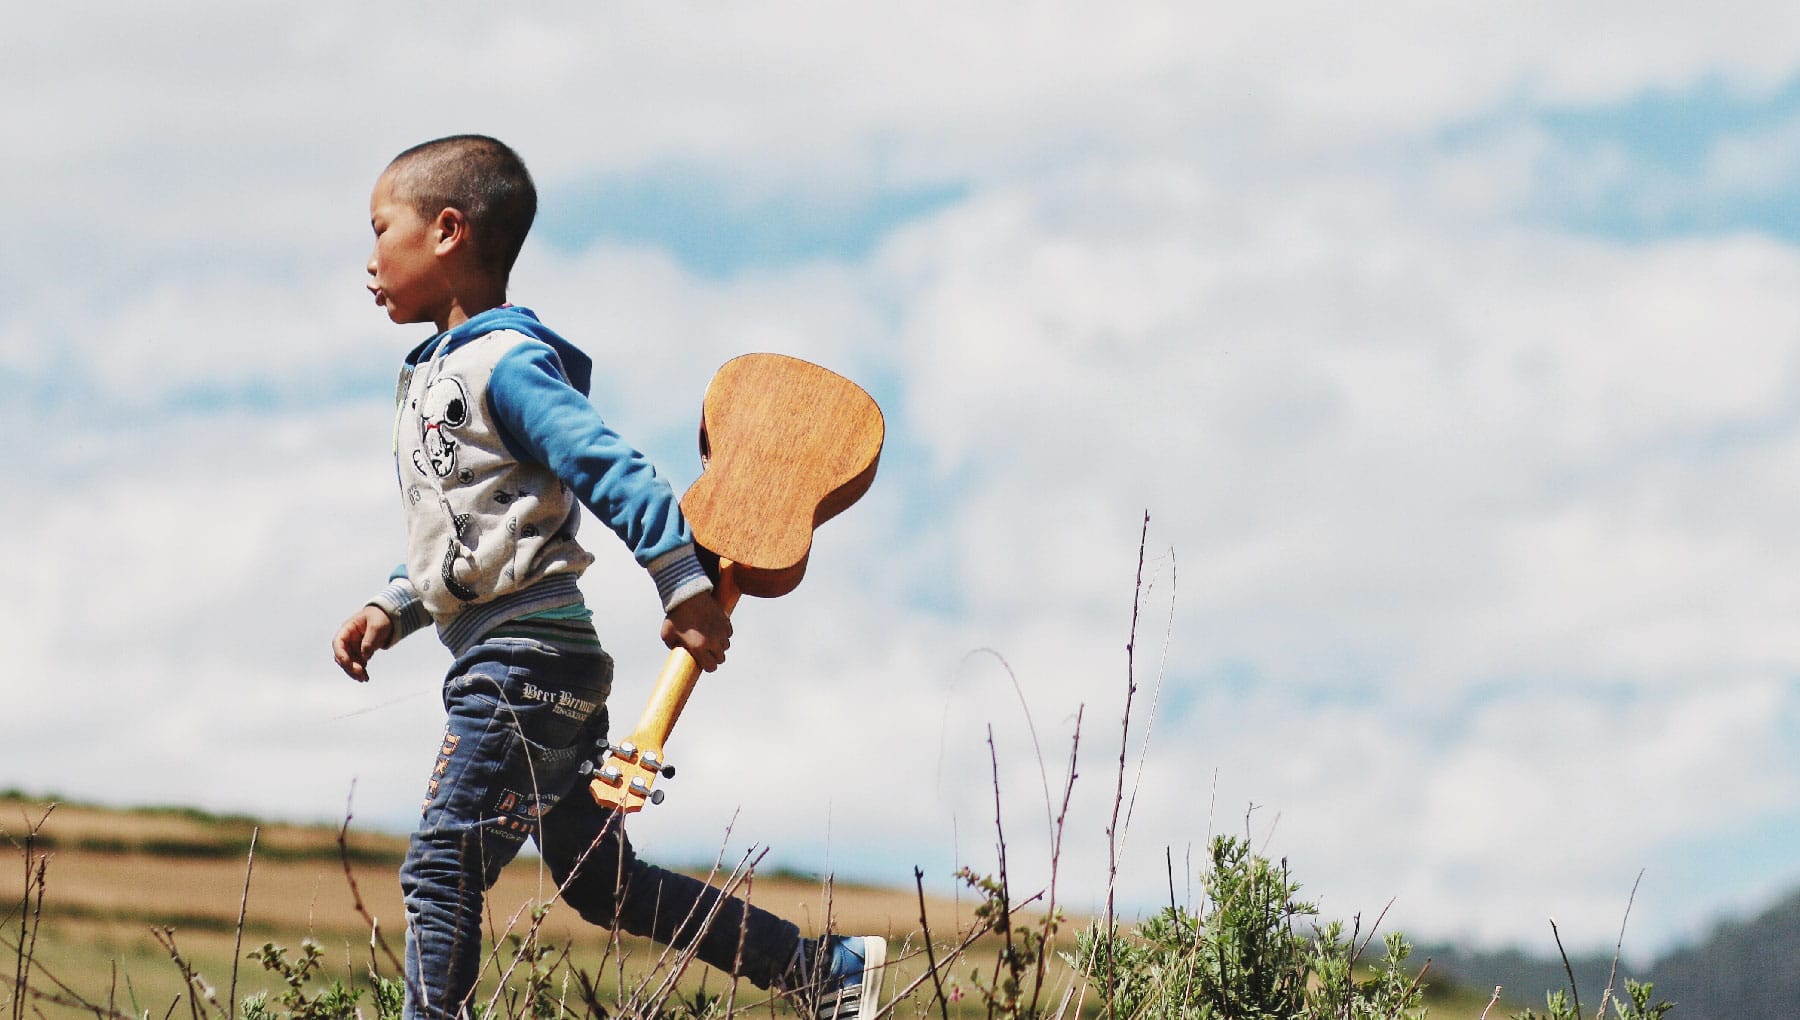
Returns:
(462, 309)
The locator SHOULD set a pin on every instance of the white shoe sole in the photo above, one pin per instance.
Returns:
(873, 962)
(836, 1005)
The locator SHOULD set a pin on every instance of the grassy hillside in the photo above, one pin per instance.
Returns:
(111, 906)
(114, 878)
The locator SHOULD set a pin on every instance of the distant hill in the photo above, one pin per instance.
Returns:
(1744, 970)
(1527, 977)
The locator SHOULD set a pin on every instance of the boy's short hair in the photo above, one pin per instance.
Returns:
(481, 178)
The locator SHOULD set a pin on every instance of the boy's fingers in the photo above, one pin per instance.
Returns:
(349, 650)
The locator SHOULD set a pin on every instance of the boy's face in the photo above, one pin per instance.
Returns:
(404, 274)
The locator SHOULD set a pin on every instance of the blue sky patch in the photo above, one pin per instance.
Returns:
(1643, 168)
(1673, 130)
(716, 234)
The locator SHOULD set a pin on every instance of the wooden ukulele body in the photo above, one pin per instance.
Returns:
(785, 446)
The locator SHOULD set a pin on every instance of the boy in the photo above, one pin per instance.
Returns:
(497, 450)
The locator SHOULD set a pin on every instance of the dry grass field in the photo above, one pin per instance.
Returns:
(116, 880)
(115, 877)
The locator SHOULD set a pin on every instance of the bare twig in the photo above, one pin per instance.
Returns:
(1491, 1001)
(1156, 691)
(237, 951)
(30, 914)
(1005, 920)
(930, 956)
(1112, 827)
(343, 842)
(1567, 968)
(1169, 866)
(1050, 919)
(37, 915)
(196, 987)
(1357, 951)
(743, 937)
(1619, 947)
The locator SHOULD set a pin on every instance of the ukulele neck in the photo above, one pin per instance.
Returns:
(679, 675)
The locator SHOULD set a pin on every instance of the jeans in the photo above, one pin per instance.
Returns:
(522, 717)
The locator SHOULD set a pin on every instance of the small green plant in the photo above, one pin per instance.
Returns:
(1635, 1005)
(305, 998)
(1011, 989)
(1243, 957)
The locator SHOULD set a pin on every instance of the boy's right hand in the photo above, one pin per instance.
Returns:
(701, 626)
(362, 635)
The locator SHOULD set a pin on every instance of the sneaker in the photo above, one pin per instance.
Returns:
(848, 984)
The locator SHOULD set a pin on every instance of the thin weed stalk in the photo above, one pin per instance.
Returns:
(31, 910)
(375, 936)
(931, 964)
(237, 948)
(1112, 828)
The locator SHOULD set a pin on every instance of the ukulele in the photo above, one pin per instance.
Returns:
(784, 447)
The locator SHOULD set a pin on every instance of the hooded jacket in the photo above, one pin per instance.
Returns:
(497, 448)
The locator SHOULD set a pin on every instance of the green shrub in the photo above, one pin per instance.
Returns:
(1244, 956)
(1635, 1006)
(307, 997)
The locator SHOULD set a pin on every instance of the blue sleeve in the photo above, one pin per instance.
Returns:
(545, 420)
(402, 604)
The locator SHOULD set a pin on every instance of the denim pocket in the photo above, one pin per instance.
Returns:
(533, 713)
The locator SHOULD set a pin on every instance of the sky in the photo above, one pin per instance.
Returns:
(1413, 388)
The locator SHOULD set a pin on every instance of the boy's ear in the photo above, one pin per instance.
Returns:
(452, 229)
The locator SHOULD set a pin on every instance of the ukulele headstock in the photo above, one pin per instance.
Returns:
(624, 776)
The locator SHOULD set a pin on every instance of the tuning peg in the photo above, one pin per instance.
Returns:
(654, 763)
(642, 789)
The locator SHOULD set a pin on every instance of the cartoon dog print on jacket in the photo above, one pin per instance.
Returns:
(444, 407)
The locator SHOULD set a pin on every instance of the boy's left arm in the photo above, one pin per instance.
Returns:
(547, 420)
